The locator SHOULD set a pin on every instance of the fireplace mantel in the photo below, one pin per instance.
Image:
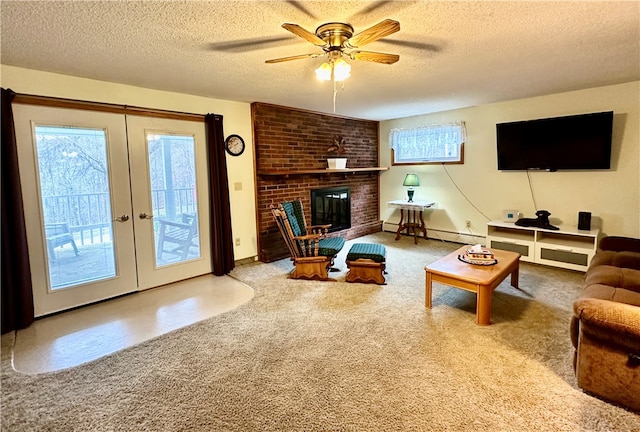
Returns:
(294, 172)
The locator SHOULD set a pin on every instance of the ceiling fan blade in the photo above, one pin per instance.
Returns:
(242, 45)
(298, 5)
(380, 30)
(304, 34)
(372, 7)
(411, 44)
(301, 56)
(374, 57)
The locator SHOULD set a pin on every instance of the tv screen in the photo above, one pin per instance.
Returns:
(579, 142)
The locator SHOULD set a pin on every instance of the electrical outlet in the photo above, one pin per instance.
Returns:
(467, 223)
(238, 241)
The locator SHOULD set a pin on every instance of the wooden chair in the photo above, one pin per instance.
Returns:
(179, 234)
(311, 251)
(58, 234)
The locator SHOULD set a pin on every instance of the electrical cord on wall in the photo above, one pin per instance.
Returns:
(462, 193)
(535, 206)
(471, 234)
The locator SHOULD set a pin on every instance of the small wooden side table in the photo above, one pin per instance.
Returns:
(414, 220)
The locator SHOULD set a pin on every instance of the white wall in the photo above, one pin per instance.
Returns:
(613, 196)
(236, 120)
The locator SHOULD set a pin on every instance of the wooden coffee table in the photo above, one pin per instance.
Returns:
(481, 280)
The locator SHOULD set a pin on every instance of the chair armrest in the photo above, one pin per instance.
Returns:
(308, 237)
(175, 224)
(53, 229)
(608, 319)
(619, 244)
(322, 229)
(327, 226)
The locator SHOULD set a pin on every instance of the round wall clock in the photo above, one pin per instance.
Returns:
(234, 144)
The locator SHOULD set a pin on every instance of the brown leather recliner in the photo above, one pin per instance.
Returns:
(605, 328)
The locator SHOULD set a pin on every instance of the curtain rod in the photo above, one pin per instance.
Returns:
(27, 99)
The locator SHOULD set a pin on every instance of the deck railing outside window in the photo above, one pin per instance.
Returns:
(88, 215)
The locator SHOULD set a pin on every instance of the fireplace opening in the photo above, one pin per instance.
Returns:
(331, 206)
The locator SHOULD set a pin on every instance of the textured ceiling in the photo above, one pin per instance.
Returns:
(452, 54)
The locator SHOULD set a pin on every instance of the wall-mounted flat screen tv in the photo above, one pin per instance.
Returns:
(578, 142)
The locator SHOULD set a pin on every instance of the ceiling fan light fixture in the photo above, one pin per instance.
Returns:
(323, 73)
(336, 70)
(341, 70)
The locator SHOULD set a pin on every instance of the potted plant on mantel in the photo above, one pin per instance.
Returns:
(338, 148)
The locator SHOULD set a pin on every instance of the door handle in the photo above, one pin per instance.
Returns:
(143, 215)
(122, 218)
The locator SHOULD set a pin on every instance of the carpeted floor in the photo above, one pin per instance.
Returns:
(320, 356)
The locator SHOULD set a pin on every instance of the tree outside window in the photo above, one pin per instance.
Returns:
(443, 143)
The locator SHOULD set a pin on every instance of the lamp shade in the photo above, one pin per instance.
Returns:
(411, 180)
(323, 73)
(337, 70)
(341, 70)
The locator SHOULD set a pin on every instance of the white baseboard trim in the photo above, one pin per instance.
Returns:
(436, 234)
(247, 260)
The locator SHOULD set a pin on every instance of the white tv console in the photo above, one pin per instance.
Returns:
(568, 247)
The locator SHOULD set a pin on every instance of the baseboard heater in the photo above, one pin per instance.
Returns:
(477, 238)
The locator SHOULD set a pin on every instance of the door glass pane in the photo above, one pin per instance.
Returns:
(172, 175)
(76, 204)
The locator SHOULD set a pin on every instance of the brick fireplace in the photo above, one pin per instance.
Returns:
(291, 151)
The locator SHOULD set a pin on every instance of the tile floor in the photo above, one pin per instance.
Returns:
(81, 335)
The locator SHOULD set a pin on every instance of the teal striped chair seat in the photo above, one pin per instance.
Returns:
(372, 251)
(330, 246)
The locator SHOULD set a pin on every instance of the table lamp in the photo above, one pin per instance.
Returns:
(411, 180)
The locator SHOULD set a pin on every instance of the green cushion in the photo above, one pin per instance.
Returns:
(293, 209)
(330, 246)
(372, 251)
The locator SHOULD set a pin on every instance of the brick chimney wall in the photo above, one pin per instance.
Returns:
(292, 139)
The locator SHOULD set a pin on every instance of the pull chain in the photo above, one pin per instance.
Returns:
(335, 95)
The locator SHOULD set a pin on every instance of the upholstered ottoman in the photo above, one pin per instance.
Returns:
(366, 262)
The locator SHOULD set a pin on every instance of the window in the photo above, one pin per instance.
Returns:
(443, 143)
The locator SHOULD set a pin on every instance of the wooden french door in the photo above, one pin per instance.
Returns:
(99, 189)
(170, 196)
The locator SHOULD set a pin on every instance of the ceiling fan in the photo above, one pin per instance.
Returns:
(337, 40)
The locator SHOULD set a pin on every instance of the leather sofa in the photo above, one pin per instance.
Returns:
(605, 328)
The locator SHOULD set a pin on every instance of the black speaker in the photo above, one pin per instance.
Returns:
(584, 221)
